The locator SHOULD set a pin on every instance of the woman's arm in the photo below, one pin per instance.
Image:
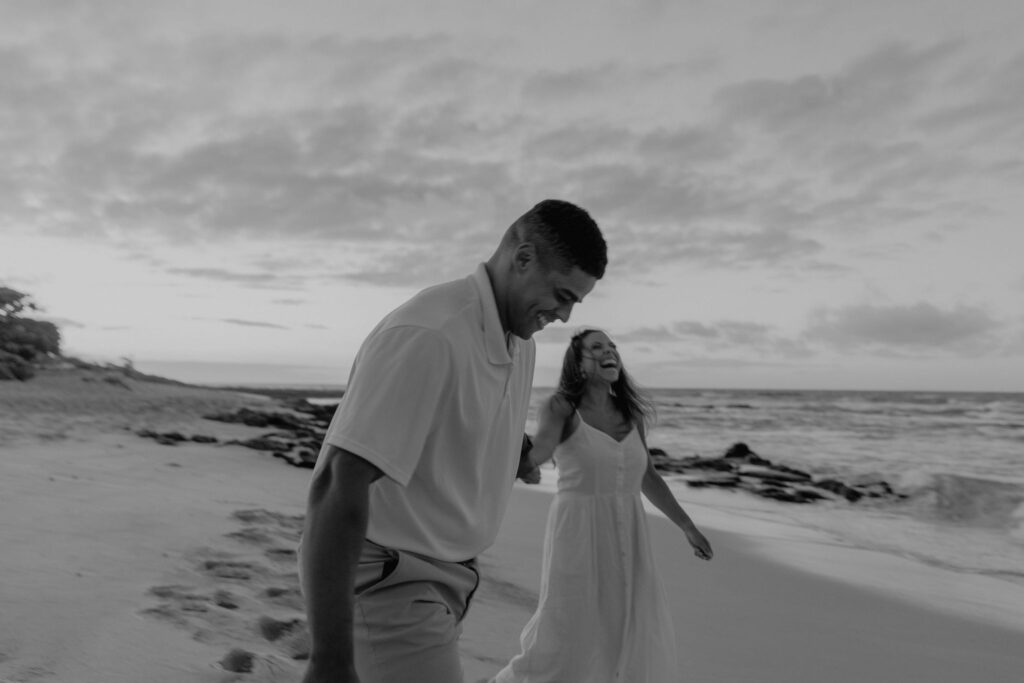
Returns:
(658, 492)
(554, 414)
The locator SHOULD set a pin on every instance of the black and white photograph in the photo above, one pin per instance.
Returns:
(575, 341)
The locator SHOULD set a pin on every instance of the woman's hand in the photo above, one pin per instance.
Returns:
(701, 546)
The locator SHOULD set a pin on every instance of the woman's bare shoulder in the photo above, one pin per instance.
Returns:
(559, 405)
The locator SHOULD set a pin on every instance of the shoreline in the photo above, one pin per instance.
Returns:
(945, 590)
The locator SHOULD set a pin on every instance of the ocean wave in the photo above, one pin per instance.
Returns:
(959, 499)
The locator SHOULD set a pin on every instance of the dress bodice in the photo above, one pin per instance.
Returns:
(592, 462)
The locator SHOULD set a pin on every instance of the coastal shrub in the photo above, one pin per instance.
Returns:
(14, 367)
(23, 340)
(29, 338)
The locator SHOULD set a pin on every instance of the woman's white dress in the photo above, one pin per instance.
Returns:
(602, 614)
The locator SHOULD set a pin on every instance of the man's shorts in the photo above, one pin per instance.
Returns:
(408, 616)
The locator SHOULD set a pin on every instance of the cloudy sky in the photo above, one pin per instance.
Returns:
(800, 194)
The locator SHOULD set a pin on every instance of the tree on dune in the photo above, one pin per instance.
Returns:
(23, 341)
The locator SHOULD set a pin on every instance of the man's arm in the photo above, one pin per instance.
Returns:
(336, 517)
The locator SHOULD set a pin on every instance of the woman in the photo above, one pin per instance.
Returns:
(602, 614)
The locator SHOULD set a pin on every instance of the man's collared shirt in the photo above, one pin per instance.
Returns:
(437, 400)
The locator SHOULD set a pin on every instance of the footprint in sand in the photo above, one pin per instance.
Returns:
(245, 597)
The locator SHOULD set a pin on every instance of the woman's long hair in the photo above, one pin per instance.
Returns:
(634, 404)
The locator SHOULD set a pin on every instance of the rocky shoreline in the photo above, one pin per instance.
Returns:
(741, 468)
(299, 431)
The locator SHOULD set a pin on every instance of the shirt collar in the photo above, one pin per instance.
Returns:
(499, 345)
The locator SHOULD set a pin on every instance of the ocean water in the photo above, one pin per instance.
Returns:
(958, 458)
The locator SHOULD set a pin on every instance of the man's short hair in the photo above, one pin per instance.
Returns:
(565, 235)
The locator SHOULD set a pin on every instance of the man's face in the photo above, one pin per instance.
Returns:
(543, 295)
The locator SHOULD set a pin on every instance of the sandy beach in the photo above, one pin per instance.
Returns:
(124, 560)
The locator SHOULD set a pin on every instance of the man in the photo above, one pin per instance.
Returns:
(416, 468)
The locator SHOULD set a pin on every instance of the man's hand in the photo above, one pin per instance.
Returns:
(530, 476)
(527, 471)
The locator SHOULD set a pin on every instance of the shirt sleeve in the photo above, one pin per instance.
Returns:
(392, 398)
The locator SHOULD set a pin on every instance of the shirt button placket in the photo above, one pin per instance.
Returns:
(620, 476)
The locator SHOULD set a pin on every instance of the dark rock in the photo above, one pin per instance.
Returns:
(166, 438)
(264, 443)
(875, 489)
(720, 480)
(666, 464)
(800, 474)
(778, 474)
(809, 494)
(742, 468)
(740, 452)
(719, 464)
(201, 438)
(839, 488)
(783, 494)
(253, 418)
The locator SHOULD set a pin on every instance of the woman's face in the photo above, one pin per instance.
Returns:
(601, 359)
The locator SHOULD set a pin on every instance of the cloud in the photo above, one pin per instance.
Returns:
(865, 95)
(579, 143)
(719, 362)
(219, 274)
(916, 326)
(556, 335)
(661, 334)
(225, 136)
(267, 279)
(882, 330)
(688, 145)
(734, 335)
(59, 322)
(566, 86)
(561, 334)
(870, 152)
(416, 151)
(995, 111)
(253, 323)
